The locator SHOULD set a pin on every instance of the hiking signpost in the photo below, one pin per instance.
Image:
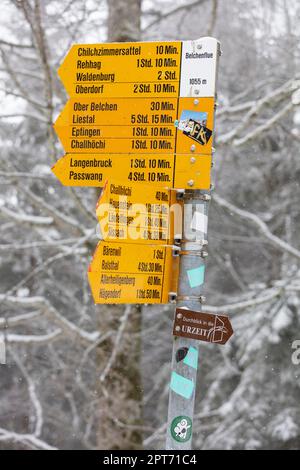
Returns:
(139, 123)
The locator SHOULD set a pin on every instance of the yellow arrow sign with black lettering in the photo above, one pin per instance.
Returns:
(133, 273)
(131, 125)
(139, 213)
(174, 171)
(122, 70)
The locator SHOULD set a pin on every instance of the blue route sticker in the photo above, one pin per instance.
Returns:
(191, 359)
(182, 386)
(196, 276)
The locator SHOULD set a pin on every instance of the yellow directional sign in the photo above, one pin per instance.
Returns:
(139, 122)
(132, 125)
(175, 171)
(122, 70)
(118, 112)
(133, 273)
(136, 212)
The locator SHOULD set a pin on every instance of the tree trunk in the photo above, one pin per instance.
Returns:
(120, 394)
(124, 20)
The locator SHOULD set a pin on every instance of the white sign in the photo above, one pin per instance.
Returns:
(199, 68)
(199, 222)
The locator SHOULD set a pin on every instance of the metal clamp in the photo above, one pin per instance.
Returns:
(177, 240)
(172, 297)
(180, 194)
(202, 197)
(176, 250)
(201, 254)
(195, 298)
(196, 242)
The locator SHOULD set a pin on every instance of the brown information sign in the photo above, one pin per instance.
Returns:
(202, 326)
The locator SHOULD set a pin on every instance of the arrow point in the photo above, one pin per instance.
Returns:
(57, 170)
(230, 329)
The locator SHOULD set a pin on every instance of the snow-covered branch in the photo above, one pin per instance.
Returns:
(275, 241)
(33, 339)
(253, 302)
(53, 314)
(74, 250)
(117, 345)
(22, 174)
(38, 244)
(32, 394)
(259, 130)
(28, 440)
(175, 11)
(25, 218)
(275, 96)
(58, 216)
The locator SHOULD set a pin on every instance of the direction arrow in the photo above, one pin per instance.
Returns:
(122, 70)
(131, 125)
(142, 69)
(175, 171)
(202, 326)
(133, 273)
(119, 111)
(138, 212)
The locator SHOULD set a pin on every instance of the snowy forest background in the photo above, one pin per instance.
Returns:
(80, 376)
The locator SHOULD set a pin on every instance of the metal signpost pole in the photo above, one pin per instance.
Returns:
(190, 287)
(184, 373)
